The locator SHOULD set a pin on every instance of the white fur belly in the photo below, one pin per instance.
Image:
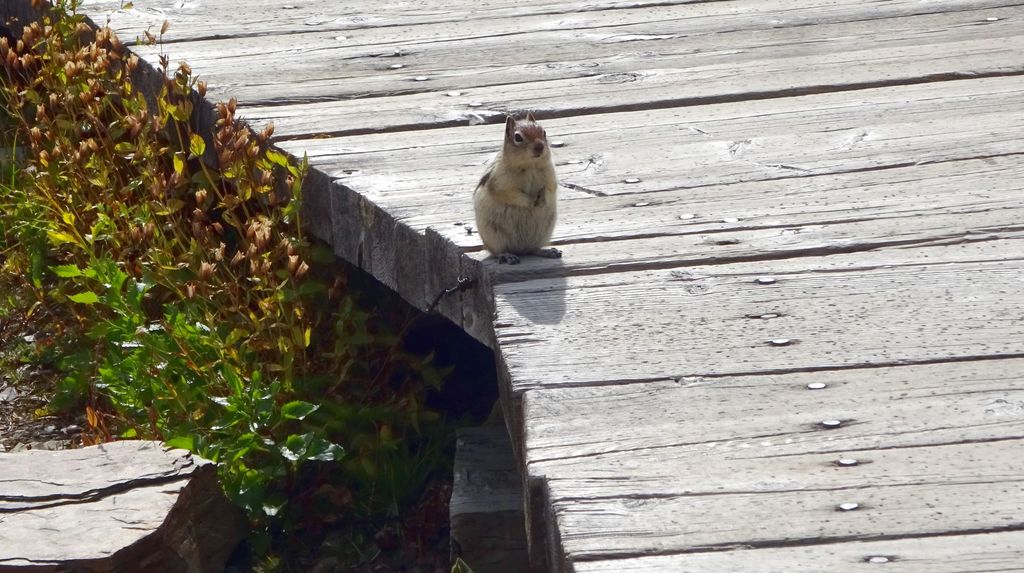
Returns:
(514, 229)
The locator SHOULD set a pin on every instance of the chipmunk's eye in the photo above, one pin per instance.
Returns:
(518, 137)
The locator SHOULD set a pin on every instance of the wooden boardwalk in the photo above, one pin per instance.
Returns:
(794, 253)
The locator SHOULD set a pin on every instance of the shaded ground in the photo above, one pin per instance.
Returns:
(21, 428)
(25, 389)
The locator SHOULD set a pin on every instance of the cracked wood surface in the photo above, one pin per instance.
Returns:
(866, 157)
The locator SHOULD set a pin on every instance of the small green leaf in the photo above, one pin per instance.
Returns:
(196, 145)
(36, 266)
(85, 298)
(323, 451)
(181, 442)
(179, 164)
(115, 131)
(124, 148)
(293, 448)
(460, 566)
(234, 382)
(245, 444)
(277, 158)
(66, 271)
(60, 237)
(310, 447)
(297, 410)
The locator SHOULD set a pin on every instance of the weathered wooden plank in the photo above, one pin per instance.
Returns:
(673, 471)
(696, 60)
(399, 21)
(680, 467)
(685, 149)
(785, 241)
(257, 70)
(844, 320)
(626, 527)
(487, 522)
(425, 268)
(660, 88)
(200, 20)
(582, 438)
(696, 320)
(947, 554)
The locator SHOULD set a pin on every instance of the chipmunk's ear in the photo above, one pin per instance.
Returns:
(510, 128)
(529, 117)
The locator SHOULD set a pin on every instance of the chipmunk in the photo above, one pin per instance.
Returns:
(515, 199)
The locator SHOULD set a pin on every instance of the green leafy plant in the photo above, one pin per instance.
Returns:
(190, 307)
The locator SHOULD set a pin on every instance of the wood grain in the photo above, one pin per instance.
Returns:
(607, 528)
(696, 320)
(487, 502)
(689, 147)
(884, 196)
(682, 42)
(401, 77)
(773, 422)
(745, 462)
(685, 85)
(947, 554)
(196, 20)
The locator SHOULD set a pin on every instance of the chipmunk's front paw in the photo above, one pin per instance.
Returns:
(508, 259)
(551, 253)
